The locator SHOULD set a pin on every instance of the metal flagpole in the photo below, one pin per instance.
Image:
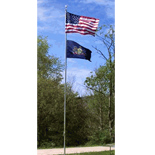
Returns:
(65, 85)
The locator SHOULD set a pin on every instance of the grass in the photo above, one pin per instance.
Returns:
(96, 153)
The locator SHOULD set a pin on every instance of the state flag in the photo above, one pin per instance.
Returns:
(75, 50)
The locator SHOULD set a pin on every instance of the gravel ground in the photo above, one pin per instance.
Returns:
(73, 150)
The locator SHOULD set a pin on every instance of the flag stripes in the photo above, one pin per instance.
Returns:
(79, 31)
(81, 24)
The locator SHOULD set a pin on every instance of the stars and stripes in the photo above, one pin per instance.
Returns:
(81, 24)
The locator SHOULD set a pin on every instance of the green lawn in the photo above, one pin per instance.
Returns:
(96, 153)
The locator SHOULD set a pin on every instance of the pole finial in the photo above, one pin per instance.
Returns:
(66, 8)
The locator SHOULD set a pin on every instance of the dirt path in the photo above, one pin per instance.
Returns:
(73, 150)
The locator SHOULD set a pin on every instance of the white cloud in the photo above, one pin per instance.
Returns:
(79, 73)
(109, 5)
(77, 76)
(40, 1)
(100, 2)
(71, 61)
(41, 14)
(48, 14)
(110, 12)
(50, 18)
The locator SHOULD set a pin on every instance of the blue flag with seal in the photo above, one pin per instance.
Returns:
(74, 50)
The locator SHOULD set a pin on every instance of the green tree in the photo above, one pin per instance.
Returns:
(99, 104)
(103, 82)
(51, 104)
(76, 118)
(49, 92)
(108, 40)
(47, 66)
(50, 112)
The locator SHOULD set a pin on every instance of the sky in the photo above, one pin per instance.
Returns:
(51, 23)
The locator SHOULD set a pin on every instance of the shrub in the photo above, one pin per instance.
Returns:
(100, 138)
(47, 144)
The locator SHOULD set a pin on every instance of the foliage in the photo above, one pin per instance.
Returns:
(76, 117)
(90, 120)
(50, 95)
(102, 84)
(47, 66)
(50, 115)
(106, 34)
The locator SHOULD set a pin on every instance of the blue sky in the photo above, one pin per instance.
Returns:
(51, 23)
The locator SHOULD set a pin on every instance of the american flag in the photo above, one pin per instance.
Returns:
(81, 24)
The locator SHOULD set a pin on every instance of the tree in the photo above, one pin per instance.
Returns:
(50, 104)
(103, 82)
(76, 118)
(49, 92)
(47, 66)
(99, 103)
(108, 40)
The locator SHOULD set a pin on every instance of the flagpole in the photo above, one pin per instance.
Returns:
(65, 86)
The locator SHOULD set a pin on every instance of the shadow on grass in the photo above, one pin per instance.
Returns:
(96, 153)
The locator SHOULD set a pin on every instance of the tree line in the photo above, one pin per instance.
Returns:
(90, 120)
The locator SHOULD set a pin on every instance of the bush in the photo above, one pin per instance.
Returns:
(105, 137)
(46, 144)
(100, 138)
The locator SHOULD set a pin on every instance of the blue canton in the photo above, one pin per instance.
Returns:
(71, 18)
